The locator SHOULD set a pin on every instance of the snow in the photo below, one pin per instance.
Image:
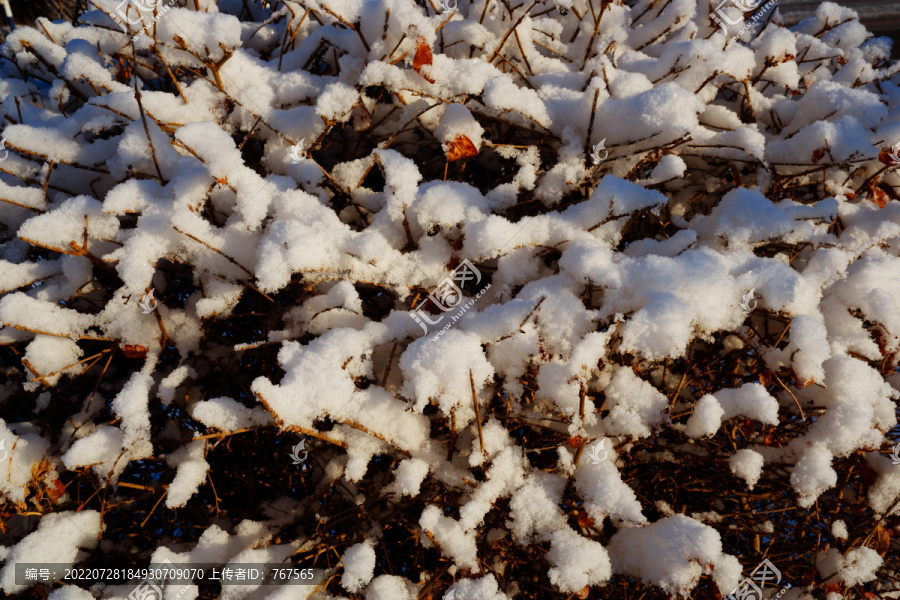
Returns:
(131, 406)
(23, 312)
(747, 464)
(887, 485)
(606, 494)
(856, 567)
(813, 474)
(70, 592)
(451, 538)
(672, 554)
(706, 418)
(22, 452)
(457, 120)
(409, 476)
(190, 474)
(635, 406)
(839, 529)
(501, 93)
(102, 450)
(389, 587)
(50, 357)
(229, 415)
(58, 538)
(852, 422)
(481, 588)
(62, 229)
(449, 383)
(504, 477)
(744, 217)
(359, 567)
(335, 100)
(577, 562)
(751, 400)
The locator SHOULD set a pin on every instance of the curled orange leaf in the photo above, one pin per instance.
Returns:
(584, 520)
(460, 147)
(134, 351)
(422, 58)
(888, 157)
(56, 489)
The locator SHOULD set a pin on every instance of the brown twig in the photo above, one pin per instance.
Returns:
(477, 412)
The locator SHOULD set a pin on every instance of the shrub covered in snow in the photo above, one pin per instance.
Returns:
(503, 298)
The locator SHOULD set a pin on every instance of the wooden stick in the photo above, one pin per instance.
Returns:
(477, 412)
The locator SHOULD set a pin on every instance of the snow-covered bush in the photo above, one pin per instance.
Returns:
(503, 298)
